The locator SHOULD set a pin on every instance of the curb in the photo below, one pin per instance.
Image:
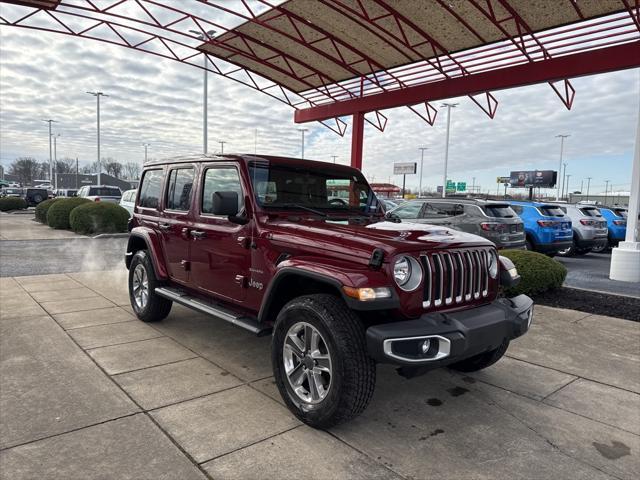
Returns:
(111, 235)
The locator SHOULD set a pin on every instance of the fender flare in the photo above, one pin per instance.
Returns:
(152, 244)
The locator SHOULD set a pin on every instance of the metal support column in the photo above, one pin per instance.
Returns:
(357, 140)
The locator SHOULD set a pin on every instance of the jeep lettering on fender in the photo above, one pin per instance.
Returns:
(302, 250)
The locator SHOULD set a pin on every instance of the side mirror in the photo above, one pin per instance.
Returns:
(225, 203)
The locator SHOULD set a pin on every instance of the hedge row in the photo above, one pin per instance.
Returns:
(42, 208)
(59, 211)
(12, 203)
(99, 218)
(538, 272)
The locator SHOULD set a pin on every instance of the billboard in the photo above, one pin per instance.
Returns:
(533, 178)
(407, 168)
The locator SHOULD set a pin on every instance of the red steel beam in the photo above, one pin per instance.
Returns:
(592, 62)
(357, 140)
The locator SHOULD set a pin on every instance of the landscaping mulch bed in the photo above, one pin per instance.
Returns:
(591, 302)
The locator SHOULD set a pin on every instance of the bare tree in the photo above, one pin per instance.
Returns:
(113, 167)
(132, 170)
(66, 165)
(27, 169)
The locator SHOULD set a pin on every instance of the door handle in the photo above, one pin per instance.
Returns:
(164, 226)
(198, 234)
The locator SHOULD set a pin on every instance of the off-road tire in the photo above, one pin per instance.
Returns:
(157, 308)
(353, 371)
(528, 245)
(481, 361)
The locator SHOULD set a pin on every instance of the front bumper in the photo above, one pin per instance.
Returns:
(452, 337)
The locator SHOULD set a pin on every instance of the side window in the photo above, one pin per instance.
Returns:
(441, 210)
(150, 189)
(409, 210)
(517, 209)
(220, 179)
(179, 189)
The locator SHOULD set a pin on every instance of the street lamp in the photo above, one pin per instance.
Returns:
(561, 137)
(564, 173)
(204, 36)
(588, 185)
(422, 149)
(606, 190)
(98, 95)
(446, 147)
(55, 159)
(567, 191)
(302, 130)
(50, 155)
(221, 142)
(145, 145)
(334, 158)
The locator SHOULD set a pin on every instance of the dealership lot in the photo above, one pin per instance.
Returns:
(87, 388)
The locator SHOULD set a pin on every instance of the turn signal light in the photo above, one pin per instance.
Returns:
(590, 223)
(492, 227)
(619, 222)
(97, 199)
(547, 223)
(367, 294)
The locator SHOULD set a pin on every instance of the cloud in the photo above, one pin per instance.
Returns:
(158, 101)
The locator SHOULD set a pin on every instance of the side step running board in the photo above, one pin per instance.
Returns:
(215, 310)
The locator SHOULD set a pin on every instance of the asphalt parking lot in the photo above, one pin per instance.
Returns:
(91, 392)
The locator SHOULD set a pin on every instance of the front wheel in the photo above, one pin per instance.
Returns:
(146, 304)
(320, 360)
(482, 360)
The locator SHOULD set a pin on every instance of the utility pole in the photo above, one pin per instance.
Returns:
(98, 95)
(77, 171)
(422, 149)
(581, 186)
(473, 185)
(302, 149)
(562, 137)
(606, 189)
(334, 158)
(55, 160)
(50, 152)
(221, 142)
(588, 185)
(446, 147)
(145, 145)
(205, 37)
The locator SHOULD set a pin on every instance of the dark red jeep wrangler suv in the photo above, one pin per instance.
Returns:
(303, 250)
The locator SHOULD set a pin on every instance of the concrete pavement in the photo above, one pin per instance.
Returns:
(91, 392)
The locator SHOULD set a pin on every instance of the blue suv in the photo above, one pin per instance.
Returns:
(547, 228)
(616, 218)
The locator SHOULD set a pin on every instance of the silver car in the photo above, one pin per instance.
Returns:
(128, 201)
(494, 221)
(101, 193)
(589, 229)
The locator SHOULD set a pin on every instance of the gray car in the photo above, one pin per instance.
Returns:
(589, 229)
(101, 193)
(494, 221)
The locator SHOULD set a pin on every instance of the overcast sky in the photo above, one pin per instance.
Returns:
(156, 101)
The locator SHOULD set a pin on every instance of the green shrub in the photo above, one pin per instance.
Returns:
(42, 209)
(538, 272)
(12, 203)
(99, 217)
(58, 213)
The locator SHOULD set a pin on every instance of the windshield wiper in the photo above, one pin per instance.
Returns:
(302, 207)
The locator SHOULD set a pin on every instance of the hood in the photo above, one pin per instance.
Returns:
(361, 239)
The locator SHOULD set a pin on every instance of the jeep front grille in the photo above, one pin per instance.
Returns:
(455, 277)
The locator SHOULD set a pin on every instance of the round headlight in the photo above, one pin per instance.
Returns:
(407, 273)
(493, 264)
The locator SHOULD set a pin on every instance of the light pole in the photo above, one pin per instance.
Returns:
(561, 137)
(221, 142)
(302, 130)
(334, 158)
(55, 160)
(446, 147)
(204, 36)
(588, 185)
(564, 173)
(473, 184)
(50, 155)
(606, 190)
(145, 145)
(98, 95)
(422, 149)
(567, 188)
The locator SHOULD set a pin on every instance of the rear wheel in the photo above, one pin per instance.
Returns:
(146, 304)
(600, 248)
(528, 245)
(320, 360)
(482, 360)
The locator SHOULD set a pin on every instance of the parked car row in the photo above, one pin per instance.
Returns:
(548, 228)
(33, 196)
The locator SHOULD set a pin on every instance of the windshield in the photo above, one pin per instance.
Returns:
(551, 211)
(12, 190)
(309, 187)
(503, 211)
(104, 192)
(591, 212)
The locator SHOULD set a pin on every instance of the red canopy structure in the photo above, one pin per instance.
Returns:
(330, 59)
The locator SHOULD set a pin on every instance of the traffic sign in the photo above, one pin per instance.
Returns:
(461, 187)
(407, 168)
(451, 186)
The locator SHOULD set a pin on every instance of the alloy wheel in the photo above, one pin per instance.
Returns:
(140, 286)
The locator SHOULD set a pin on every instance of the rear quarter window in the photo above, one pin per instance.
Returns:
(500, 211)
(551, 211)
(591, 212)
(150, 189)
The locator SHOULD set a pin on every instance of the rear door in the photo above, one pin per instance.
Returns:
(220, 255)
(175, 221)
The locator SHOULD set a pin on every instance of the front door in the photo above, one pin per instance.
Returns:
(220, 254)
(175, 221)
